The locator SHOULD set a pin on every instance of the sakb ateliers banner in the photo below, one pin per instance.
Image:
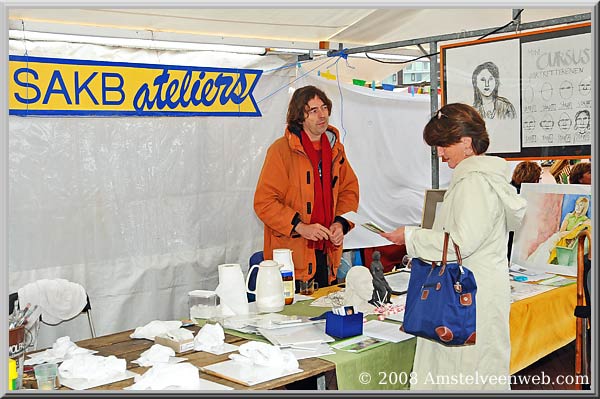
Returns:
(62, 87)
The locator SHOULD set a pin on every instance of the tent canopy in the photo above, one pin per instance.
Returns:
(274, 28)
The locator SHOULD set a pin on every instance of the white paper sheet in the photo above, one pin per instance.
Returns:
(532, 274)
(172, 360)
(519, 291)
(399, 300)
(246, 374)
(398, 281)
(225, 348)
(300, 297)
(315, 350)
(83, 383)
(206, 385)
(386, 331)
(312, 333)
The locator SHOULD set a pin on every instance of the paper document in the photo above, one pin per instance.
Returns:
(398, 281)
(246, 374)
(386, 331)
(363, 221)
(519, 291)
(296, 336)
(531, 274)
(359, 344)
(364, 234)
(558, 281)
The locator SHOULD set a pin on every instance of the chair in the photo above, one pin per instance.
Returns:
(87, 309)
(583, 310)
(255, 259)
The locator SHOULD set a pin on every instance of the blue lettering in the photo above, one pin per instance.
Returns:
(171, 89)
(57, 77)
(185, 83)
(106, 88)
(223, 81)
(144, 92)
(27, 85)
(193, 95)
(241, 83)
(174, 94)
(84, 86)
(159, 81)
(206, 91)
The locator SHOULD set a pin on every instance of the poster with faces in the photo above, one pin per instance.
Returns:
(557, 91)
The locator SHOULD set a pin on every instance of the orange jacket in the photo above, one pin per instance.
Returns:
(286, 187)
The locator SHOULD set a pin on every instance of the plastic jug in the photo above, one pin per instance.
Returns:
(269, 286)
(283, 256)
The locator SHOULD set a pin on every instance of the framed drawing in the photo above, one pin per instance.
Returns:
(433, 199)
(532, 89)
(547, 238)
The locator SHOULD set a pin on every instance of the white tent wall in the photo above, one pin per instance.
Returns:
(382, 133)
(141, 210)
(138, 210)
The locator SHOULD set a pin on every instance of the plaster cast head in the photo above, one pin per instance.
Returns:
(359, 288)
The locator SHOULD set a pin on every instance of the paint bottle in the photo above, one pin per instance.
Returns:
(12, 374)
(288, 286)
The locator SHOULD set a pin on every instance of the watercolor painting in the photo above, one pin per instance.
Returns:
(556, 214)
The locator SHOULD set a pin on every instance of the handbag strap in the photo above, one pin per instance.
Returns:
(445, 253)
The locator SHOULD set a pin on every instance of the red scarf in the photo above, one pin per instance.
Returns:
(322, 211)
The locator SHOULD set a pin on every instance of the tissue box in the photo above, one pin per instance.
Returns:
(177, 346)
(343, 326)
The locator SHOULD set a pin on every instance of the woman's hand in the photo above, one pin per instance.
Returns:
(396, 236)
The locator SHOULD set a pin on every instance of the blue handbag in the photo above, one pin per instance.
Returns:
(440, 301)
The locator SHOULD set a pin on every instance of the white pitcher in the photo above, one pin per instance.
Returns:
(269, 287)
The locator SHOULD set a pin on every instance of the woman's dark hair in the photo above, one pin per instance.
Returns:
(526, 172)
(578, 171)
(493, 68)
(453, 122)
(299, 103)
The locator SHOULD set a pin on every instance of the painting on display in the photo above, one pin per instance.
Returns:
(547, 238)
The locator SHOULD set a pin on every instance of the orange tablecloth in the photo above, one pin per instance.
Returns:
(541, 324)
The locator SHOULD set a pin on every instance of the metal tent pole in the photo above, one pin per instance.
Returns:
(433, 95)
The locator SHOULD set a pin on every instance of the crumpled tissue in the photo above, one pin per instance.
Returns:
(210, 337)
(156, 354)
(264, 354)
(154, 328)
(163, 376)
(62, 349)
(92, 367)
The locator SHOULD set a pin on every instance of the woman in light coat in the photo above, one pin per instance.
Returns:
(480, 207)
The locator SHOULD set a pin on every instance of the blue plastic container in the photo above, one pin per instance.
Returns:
(343, 326)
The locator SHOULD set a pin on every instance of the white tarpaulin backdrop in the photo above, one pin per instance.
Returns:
(142, 210)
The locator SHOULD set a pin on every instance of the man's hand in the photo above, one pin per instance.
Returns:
(313, 232)
(337, 234)
(396, 236)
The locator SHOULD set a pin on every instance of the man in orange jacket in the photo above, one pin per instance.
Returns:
(306, 183)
